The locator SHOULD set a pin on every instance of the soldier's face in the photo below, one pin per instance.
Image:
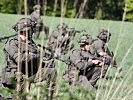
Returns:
(38, 10)
(87, 47)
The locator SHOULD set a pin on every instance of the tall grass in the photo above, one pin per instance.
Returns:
(122, 83)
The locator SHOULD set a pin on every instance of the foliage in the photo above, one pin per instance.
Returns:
(105, 9)
(8, 6)
(99, 9)
(129, 13)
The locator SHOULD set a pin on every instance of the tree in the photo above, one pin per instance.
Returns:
(129, 11)
(99, 9)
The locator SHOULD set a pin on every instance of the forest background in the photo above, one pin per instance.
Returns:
(92, 9)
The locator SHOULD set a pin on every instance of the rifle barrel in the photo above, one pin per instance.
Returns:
(6, 37)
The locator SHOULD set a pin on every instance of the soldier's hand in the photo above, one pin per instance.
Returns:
(96, 61)
(101, 63)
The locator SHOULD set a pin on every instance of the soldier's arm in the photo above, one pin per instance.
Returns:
(98, 45)
(113, 60)
(33, 16)
(12, 50)
(78, 61)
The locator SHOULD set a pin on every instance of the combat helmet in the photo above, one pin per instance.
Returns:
(85, 39)
(24, 24)
(104, 35)
(62, 26)
(37, 7)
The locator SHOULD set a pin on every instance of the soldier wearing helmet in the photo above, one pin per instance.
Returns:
(104, 35)
(62, 26)
(82, 66)
(35, 16)
(101, 50)
(16, 55)
(25, 25)
(37, 7)
(100, 44)
(57, 36)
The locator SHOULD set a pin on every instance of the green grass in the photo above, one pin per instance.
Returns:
(121, 43)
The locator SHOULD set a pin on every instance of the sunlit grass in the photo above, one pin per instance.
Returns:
(123, 56)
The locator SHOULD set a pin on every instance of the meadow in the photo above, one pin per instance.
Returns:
(116, 86)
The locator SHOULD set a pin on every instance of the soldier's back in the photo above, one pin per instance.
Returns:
(35, 16)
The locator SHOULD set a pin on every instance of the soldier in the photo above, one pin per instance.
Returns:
(35, 16)
(17, 56)
(57, 35)
(55, 42)
(61, 39)
(101, 50)
(82, 66)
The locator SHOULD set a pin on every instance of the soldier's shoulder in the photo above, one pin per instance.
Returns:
(96, 42)
(33, 13)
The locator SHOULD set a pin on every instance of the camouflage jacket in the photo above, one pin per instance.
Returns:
(13, 57)
(80, 59)
(37, 18)
(98, 46)
(60, 41)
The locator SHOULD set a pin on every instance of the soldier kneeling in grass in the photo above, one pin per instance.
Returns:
(101, 49)
(82, 67)
(22, 57)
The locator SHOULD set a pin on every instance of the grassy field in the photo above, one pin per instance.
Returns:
(116, 86)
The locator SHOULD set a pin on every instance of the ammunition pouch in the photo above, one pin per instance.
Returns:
(7, 75)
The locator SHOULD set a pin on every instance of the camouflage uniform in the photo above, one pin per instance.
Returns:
(99, 45)
(81, 69)
(14, 59)
(59, 40)
(35, 16)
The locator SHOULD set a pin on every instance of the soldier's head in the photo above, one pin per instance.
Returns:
(85, 41)
(37, 8)
(62, 26)
(25, 25)
(104, 35)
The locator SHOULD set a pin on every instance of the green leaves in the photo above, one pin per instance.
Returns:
(99, 9)
(129, 11)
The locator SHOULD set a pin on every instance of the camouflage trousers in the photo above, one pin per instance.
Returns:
(87, 78)
(76, 77)
(8, 77)
(39, 29)
(97, 73)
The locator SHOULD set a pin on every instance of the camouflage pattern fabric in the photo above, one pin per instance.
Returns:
(60, 41)
(35, 16)
(8, 74)
(80, 70)
(97, 47)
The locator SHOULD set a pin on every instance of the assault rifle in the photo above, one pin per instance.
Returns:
(103, 59)
(109, 60)
(6, 37)
(114, 63)
(72, 31)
